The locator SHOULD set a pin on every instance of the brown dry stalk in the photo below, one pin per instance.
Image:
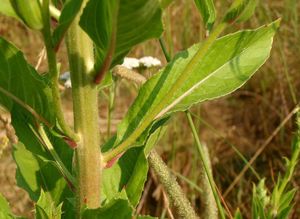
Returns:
(260, 150)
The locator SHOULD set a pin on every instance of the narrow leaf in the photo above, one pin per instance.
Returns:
(208, 12)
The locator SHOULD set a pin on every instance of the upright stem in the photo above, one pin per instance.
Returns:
(54, 74)
(205, 165)
(85, 106)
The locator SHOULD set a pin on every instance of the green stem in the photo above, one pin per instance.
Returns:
(164, 49)
(111, 105)
(180, 203)
(293, 162)
(205, 165)
(85, 107)
(55, 156)
(54, 74)
(125, 145)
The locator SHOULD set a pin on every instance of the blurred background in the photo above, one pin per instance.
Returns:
(256, 117)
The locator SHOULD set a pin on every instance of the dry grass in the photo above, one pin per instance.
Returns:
(243, 120)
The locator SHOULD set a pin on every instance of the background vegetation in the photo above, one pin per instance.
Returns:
(256, 119)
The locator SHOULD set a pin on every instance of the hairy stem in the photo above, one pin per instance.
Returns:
(85, 107)
(180, 203)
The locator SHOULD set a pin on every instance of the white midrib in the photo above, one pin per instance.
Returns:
(189, 91)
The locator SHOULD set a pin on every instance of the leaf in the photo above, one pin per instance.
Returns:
(286, 199)
(116, 208)
(21, 80)
(68, 13)
(208, 12)
(165, 3)
(116, 26)
(240, 10)
(7, 9)
(228, 64)
(33, 174)
(130, 172)
(5, 212)
(238, 215)
(29, 12)
(106, 82)
(46, 208)
(260, 200)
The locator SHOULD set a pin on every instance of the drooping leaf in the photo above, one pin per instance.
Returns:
(68, 13)
(207, 11)
(115, 208)
(118, 25)
(5, 212)
(228, 64)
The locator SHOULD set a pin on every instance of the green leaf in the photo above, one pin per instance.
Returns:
(130, 172)
(260, 200)
(34, 174)
(238, 215)
(165, 3)
(240, 10)
(116, 26)
(285, 205)
(208, 12)
(116, 208)
(228, 64)
(107, 81)
(35, 169)
(21, 80)
(5, 212)
(30, 12)
(46, 208)
(68, 13)
(7, 9)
